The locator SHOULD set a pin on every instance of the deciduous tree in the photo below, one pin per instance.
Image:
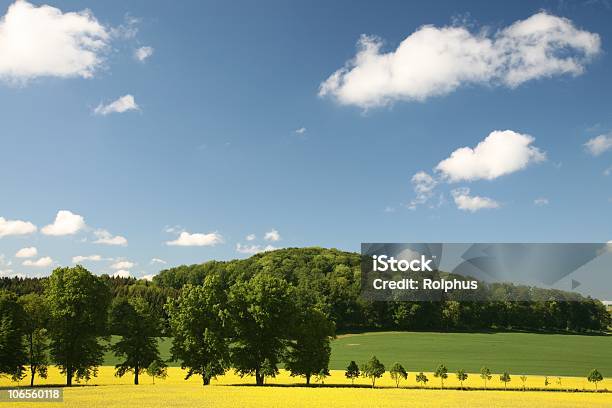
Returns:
(35, 321)
(352, 371)
(485, 374)
(133, 320)
(310, 349)
(373, 369)
(441, 373)
(462, 376)
(12, 353)
(200, 325)
(78, 306)
(263, 319)
(398, 373)
(595, 377)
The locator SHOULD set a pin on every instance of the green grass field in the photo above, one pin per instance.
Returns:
(518, 353)
(524, 353)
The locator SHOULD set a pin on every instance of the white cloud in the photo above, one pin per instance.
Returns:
(435, 61)
(142, 53)
(466, 202)
(147, 277)
(122, 104)
(423, 185)
(196, 239)
(121, 274)
(540, 202)
(128, 29)
(15, 227)
(272, 235)
(106, 238)
(158, 261)
(300, 131)
(39, 263)
(251, 237)
(500, 153)
(29, 252)
(122, 265)
(44, 41)
(253, 249)
(599, 144)
(66, 223)
(81, 258)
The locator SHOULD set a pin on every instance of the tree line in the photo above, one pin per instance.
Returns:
(335, 277)
(373, 369)
(251, 326)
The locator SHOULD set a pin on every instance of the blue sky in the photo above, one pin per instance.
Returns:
(209, 145)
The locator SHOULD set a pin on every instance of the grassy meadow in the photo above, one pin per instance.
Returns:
(517, 353)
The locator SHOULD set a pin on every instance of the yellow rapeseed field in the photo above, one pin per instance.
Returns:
(108, 391)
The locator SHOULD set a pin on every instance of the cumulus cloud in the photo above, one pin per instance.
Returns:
(66, 223)
(147, 277)
(272, 235)
(39, 263)
(142, 53)
(44, 41)
(122, 104)
(122, 265)
(197, 239)
(82, 258)
(540, 202)
(253, 249)
(466, 202)
(106, 238)
(300, 131)
(599, 144)
(15, 227)
(434, 61)
(29, 252)
(500, 153)
(158, 261)
(251, 237)
(121, 274)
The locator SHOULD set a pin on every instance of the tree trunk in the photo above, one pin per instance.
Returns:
(69, 377)
(307, 379)
(205, 380)
(136, 369)
(259, 378)
(33, 371)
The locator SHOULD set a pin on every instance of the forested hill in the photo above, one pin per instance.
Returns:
(333, 276)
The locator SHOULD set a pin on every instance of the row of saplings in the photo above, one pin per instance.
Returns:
(251, 325)
(374, 369)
